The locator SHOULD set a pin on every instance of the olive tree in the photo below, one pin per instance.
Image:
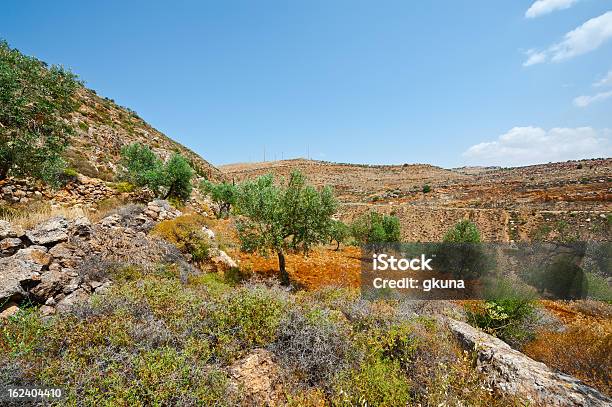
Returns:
(170, 180)
(35, 101)
(223, 194)
(278, 218)
(339, 233)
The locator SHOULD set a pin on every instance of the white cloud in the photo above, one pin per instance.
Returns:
(534, 57)
(584, 101)
(605, 81)
(541, 7)
(586, 38)
(533, 145)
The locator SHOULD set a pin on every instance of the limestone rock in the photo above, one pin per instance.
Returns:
(9, 246)
(222, 260)
(51, 283)
(9, 310)
(34, 254)
(512, 372)
(52, 231)
(16, 276)
(75, 297)
(7, 230)
(258, 376)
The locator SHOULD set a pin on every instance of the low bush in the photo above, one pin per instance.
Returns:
(508, 319)
(242, 319)
(185, 232)
(376, 383)
(313, 344)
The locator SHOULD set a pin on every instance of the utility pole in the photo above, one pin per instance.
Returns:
(264, 154)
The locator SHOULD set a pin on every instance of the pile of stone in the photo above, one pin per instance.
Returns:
(22, 191)
(43, 263)
(82, 191)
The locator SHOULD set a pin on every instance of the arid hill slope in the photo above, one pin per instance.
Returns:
(103, 127)
(566, 200)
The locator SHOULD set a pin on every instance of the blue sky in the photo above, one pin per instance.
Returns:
(449, 83)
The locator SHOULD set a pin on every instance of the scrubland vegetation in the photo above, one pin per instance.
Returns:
(156, 341)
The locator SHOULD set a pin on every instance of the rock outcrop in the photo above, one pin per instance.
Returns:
(56, 262)
(257, 374)
(511, 372)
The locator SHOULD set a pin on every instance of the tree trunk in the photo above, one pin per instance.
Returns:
(284, 276)
(3, 172)
(338, 246)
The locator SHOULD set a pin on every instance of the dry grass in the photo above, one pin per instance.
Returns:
(37, 213)
(583, 349)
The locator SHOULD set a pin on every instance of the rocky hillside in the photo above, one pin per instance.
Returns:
(103, 127)
(567, 200)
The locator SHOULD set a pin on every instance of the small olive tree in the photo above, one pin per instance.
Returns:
(339, 232)
(35, 101)
(170, 180)
(223, 194)
(278, 218)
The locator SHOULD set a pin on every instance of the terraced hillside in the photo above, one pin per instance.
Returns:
(567, 200)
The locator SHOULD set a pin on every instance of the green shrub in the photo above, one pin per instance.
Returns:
(185, 232)
(464, 231)
(242, 319)
(35, 100)
(506, 318)
(375, 228)
(123, 187)
(377, 383)
(339, 232)
(426, 188)
(176, 178)
(223, 194)
(170, 180)
(22, 333)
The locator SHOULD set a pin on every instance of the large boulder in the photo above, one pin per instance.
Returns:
(52, 231)
(16, 277)
(514, 373)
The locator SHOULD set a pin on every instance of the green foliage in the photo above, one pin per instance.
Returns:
(141, 167)
(376, 228)
(464, 231)
(376, 383)
(185, 232)
(339, 232)
(170, 180)
(507, 313)
(177, 174)
(22, 333)
(242, 320)
(426, 188)
(275, 218)
(223, 194)
(34, 100)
